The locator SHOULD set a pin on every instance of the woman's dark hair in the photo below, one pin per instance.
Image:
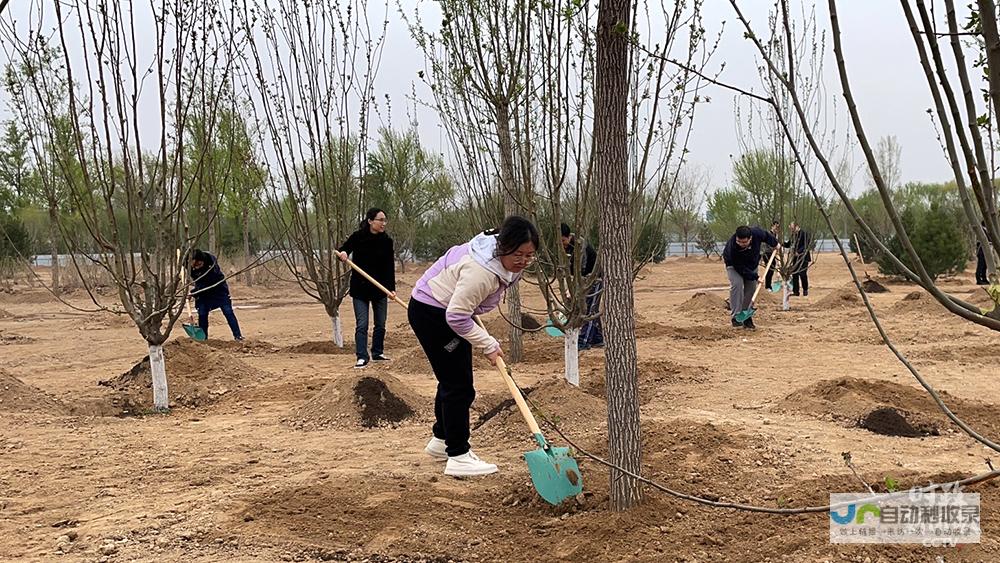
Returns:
(370, 215)
(513, 232)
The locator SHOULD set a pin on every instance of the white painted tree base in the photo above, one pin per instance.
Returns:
(571, 352)
(338, 332)
(786, 302)
(158, 369)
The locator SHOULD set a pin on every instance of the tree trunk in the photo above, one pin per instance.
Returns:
(248, 273)
(611, 180)
(338, 331)
(54, 243)
(572, 355)
(158, 369)
(786, 303)
(515, 352)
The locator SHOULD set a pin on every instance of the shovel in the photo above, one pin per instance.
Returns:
(554, 472)
(749, 311)
(381, 287)
(192, 330)
(553, 330)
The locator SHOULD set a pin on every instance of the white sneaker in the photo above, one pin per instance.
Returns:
(361, 363)
(468, 464)
(436, 449)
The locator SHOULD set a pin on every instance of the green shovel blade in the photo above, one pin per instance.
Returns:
(195, 332)
(744, 315)
(776, 287)
(554, 473)
(552, 331)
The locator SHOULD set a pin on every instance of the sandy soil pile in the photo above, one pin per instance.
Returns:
(197, 375)
(17, 396)
(919, 303)
(365, 400)
(879, 405)
(843, 298)
(703, 302)
(321, 347)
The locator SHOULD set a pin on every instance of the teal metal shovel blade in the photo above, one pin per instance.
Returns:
(744, 315)
(776, 287)
(195, 332)
(552, 330)
(555, 473)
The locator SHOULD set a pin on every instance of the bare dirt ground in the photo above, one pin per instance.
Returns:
(269, 455)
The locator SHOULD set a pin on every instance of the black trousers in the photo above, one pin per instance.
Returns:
(981, 278)
(800, 278)
(451, 359)
(770, 274)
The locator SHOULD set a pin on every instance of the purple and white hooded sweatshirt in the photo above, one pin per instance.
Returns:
(468, 280)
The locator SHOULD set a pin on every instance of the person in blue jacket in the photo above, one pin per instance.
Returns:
(742, 257)
(211, 291)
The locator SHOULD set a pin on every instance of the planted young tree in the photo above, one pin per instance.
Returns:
(685, 204)
(310, 74)
(132, 183)
(546, 60)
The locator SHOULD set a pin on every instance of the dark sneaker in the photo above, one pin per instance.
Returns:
(805, 294)
(736, 323)
(380, 358)
(361, 363)
(748, 324)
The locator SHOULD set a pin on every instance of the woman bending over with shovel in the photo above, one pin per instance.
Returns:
(470, 279)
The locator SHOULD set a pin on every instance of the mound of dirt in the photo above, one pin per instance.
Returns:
(553, 399)
(320, 347)
(872, 286)
(917, 302)
(979, 298)
(702, 333)
(843, 298)
(655, 378)
(703, 302)
(18, 396)
(963, 353)
(368, 401)
(197, 375)
(852, 401)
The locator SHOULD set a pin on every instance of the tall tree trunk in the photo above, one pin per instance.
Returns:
(54, 242)
(248, 274)
(515, 352)
(571, 355)
(338, 330)
(611, 181)
(210, 217)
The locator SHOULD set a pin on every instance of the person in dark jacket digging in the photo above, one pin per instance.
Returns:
(742, 257)
(372, 251)
(800, 243)
(591, 335)
(211, 291)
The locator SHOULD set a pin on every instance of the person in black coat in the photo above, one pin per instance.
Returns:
(591, 335)
(371, 250)
(211, 291)
(776, 231)
(742, 257)
(801, 244)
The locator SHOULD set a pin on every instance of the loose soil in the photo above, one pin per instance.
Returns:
(272, 456)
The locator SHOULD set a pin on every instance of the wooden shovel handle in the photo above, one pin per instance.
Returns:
(514, 391)
(375, 283)
(760, 282)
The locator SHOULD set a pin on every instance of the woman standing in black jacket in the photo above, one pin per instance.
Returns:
(371, 250)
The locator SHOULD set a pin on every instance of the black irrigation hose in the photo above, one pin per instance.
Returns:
(992, 474)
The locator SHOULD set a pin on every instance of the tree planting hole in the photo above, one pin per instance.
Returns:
(889, 422)
(378, 404)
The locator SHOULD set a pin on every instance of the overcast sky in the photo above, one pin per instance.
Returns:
(887, 81)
